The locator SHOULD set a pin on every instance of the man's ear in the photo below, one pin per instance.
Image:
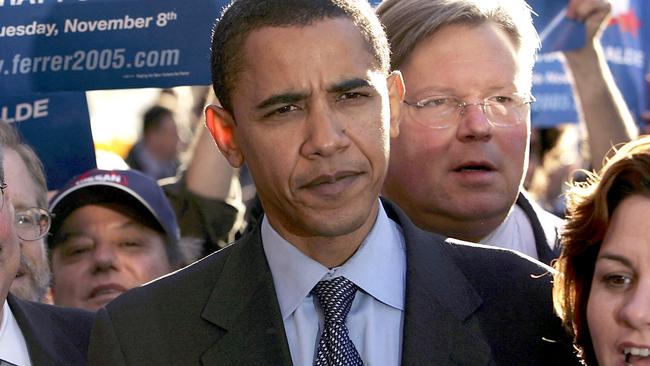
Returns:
(221, 125)
(395, 98)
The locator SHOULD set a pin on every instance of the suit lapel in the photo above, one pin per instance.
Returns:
(439, 327)
(544, 253)
(45, 341)
(244, 304)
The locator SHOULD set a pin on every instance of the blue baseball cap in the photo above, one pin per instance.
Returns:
(130, 188)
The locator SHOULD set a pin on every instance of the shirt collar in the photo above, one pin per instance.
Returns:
(378, 267)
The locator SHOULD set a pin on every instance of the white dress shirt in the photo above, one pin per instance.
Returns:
(515, 232)
(376, 317)
(13, 347)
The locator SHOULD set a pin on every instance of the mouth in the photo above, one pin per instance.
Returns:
(472, 166)
(635, 354)
(331, 184)
(108, 291)
(22, 271)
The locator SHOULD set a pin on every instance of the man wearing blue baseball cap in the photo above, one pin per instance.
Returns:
(112, 230)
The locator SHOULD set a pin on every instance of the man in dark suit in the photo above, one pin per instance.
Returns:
(332, 275)
(458, 164)
(33, 333)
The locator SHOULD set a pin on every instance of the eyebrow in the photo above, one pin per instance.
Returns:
(64, 235)
(287, 98)
(351, 84)
(616, 258)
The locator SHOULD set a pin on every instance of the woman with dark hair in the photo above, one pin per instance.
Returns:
(602, 289)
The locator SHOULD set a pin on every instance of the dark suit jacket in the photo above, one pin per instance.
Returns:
(545, 228)
(465, 305)
(54, 335)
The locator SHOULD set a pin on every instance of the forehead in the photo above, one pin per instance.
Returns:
(468, 56)
(94, 216)
(300, 57)
(628, 227)
(21, 186)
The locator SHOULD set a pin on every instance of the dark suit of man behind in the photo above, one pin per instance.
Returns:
(308, 103)
(33, 333)
(54, 335)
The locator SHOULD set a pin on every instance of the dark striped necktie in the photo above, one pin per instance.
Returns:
(335, 347)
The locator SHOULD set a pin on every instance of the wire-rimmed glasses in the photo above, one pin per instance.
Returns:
(444, 111)
(32, 223)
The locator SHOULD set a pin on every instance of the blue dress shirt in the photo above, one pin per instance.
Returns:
(376, 318)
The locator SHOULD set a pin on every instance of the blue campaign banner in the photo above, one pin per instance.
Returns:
(626, 42)
(551, 86)
(70, 45)
(556, 31)
(552, 90)
(57, 126)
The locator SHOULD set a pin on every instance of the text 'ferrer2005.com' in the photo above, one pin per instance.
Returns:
(90, 59)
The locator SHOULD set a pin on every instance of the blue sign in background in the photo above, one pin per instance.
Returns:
(58, 128)
(89, 45)
(626, 42)
(52, 45)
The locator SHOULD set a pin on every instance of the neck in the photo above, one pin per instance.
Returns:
(330, 250)
(463, 229)
(2, 306)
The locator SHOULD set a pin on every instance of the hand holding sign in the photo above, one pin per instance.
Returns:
(594, 13)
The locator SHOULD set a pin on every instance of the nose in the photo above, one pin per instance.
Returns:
(104, 257)
(326, 134)
(474, 124)
(635, 311)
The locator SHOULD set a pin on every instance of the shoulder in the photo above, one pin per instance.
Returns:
(184, 286)
(173, 317)
(484, 263)
(62, 317)
(65, 326)
(517, 309)
(189, 288)
(514, 288)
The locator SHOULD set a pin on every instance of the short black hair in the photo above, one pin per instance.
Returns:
(153, 118)
(241, 17)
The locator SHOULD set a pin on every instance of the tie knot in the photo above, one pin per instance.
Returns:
(335, 297)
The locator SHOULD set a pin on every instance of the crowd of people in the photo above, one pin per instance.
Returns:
(392, 222)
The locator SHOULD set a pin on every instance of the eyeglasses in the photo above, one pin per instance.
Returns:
(438, 111)
(3, 186)
(32, 223)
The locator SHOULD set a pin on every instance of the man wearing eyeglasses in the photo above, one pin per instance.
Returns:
(457, 166)
(32, 333)
(24, 173)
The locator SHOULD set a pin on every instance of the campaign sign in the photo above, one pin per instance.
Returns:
(556, 31)
(67, 45)
(57, 127)
(554, 102)
(626, 42)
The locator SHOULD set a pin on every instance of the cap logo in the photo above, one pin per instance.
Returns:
(108, 177)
